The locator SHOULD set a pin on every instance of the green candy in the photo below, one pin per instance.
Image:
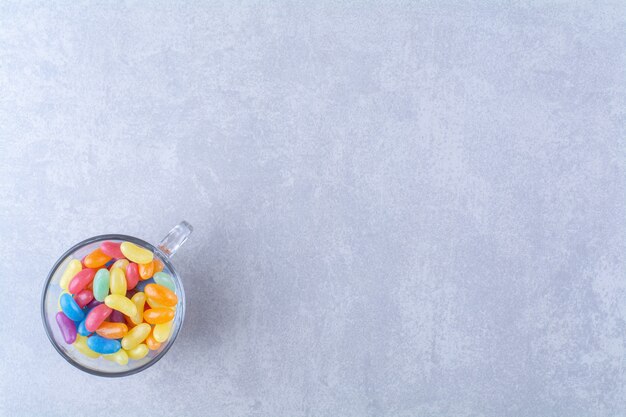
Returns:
(164, 279)
(101, 284)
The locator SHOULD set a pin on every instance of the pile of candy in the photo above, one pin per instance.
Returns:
(117, 302)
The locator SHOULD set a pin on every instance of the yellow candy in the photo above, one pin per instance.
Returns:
(120, 263)
(118, 282)
(138, 352)
(121, 304)
(135, 336)
(139, 300)
(120, 357)
(154, 304)
(81, 345)
(73, 268)
(161, 332)
(135, 253)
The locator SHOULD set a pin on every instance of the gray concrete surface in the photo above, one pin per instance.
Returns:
(400, 208)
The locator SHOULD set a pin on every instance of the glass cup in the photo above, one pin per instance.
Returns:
(52, 291)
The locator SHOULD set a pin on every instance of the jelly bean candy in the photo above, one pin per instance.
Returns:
(102, 345)
(82, 329)
(73, 268)
(120, 357)
(81, 280)
(112, 330)
(108, 264)
(101, 284)
(158, 315)
(161, 294)
(141, 286)
(92, 304)
(111, 249)
(83, 298)
(59, 301)
(132, 275)
(116, 317)
(136, 335)
(164, 279)
(146, 270)
(158, 265)
(68, 327)
(120, 263)
(81, 345)
(96, 317)
(121, 304)
(118, 281)
(135, 253)
(139, 300)
(162, 331)
(138, 352)
(71, 308)
(152, 343)
(153, 304)
(96, 259)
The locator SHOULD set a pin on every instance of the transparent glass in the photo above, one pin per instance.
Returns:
(52, 291)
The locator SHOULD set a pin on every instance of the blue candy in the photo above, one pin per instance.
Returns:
(81, 329)
(71, 308)
(104, 346)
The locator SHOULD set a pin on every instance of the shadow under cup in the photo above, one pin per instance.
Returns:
(50, 307)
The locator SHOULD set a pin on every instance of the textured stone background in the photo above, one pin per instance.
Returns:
(400, 208)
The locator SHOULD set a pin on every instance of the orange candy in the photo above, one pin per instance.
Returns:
(158, 265)
(112, 330)
(96, 259)
(152, 343)
(161, 295)
(146, 270)
(158, 315)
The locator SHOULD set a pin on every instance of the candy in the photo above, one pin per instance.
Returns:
(102, 345)
(101, 284)
(120, 263)
(112, 330)
(161, 294)
(83, 298)
(118, 281)
(138, 352)
(132, 275)
(96, 317)
(146, 270)
(152, 343)
(121, 304)
(120, 357)
(118, 303)
(82, 329)
(81, 345)
(111, 249)
(139, 300)
(96, 259)
(166, 280)
(67, 327)
(135, 336)
(73, 268)
(81, 280)
(158, 315)
(135, 253)
(71, 308)
(162, 331)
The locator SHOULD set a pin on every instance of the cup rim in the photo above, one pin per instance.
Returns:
(163, 257)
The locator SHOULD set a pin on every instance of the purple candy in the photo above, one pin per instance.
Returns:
(67, 327)
(93, 303)
(116, 317)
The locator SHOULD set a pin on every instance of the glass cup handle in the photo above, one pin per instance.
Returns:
(175, 238)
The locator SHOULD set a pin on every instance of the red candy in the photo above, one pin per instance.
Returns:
(112, 249)
(132, 275)
(96, 317)
(81, 280)
(83, 298)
